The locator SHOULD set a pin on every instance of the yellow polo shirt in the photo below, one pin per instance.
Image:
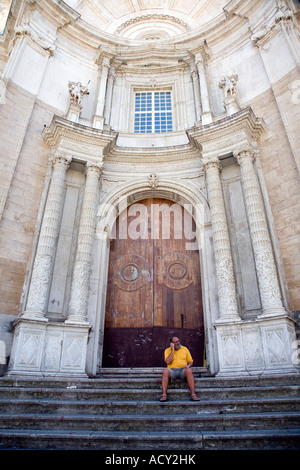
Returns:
(181, 357)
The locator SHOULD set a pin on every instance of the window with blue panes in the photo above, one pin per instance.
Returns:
(153, 112)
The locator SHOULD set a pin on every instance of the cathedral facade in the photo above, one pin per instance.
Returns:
(149, 185)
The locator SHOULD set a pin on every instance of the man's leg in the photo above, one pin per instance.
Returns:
(188, 374)
(164, 383)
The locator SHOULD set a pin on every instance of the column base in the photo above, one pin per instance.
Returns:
(34, 316)
(76, 321)
(273, 312)
(260, 346)
(98, 122)
(206, 118)
(74, 111)
(41, 348)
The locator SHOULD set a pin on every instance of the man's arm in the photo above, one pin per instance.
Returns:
(190, 364)
(189, 359)
(169, 359)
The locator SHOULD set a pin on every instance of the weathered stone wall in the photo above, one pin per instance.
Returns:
(24, 160)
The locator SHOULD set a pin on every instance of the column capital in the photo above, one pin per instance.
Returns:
(212, 162)
(200, 54)
(104, 58)
(93, 167)
(58, 157)
(244, 154)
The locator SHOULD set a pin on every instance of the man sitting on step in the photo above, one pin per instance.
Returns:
(179, 362)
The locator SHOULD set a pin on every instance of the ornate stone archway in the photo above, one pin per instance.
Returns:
(107, 213)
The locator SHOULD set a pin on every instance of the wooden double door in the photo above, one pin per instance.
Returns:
(154, 286)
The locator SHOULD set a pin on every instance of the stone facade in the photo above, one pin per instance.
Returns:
(70, 162)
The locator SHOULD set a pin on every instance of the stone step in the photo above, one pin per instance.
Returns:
(174, 393)
(155, 440)
(152, 422)
(138, 406)
(122, 411)
(141, 380)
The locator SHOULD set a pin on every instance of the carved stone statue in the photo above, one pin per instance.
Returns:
(77, 90)
(228, 83)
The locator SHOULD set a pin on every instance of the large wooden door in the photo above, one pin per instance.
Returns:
(154, 286)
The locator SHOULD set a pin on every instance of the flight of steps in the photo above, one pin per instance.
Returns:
(120, 410)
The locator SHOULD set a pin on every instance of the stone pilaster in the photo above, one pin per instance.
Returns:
(263, 253)
(204, 93)
(224, 265)
(196, 88)
(81, 274)
(109, 93)
(104, 65)
(42, 269)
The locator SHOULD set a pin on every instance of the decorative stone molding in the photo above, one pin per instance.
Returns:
(83, 142)
(152, 17)
(271, 27)
(48, 349)
(153, 181)
(43, 43)
(261, 346)
(226, 135)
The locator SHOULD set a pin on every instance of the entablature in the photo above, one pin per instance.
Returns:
(84, 143)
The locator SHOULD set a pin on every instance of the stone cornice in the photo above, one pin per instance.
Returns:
(84, 143)
(226, 135)
(70, 23)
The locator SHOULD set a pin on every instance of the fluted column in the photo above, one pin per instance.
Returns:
(42, 269)
(224, 265)
(263, 253)
(82, 268)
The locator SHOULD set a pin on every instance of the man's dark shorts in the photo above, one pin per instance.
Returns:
(177, 373)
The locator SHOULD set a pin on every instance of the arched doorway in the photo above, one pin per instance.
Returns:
(154, 286)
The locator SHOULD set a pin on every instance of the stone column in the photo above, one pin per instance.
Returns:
(206, 111)
(263, 253)
(224, 265)
(196, 88)
(99, 115)
(110, 85)
(42, 269)
(82, 268)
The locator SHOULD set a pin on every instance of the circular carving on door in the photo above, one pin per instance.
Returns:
(130, 273)
(177, 270)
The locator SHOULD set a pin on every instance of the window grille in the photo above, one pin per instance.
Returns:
(153, 112)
